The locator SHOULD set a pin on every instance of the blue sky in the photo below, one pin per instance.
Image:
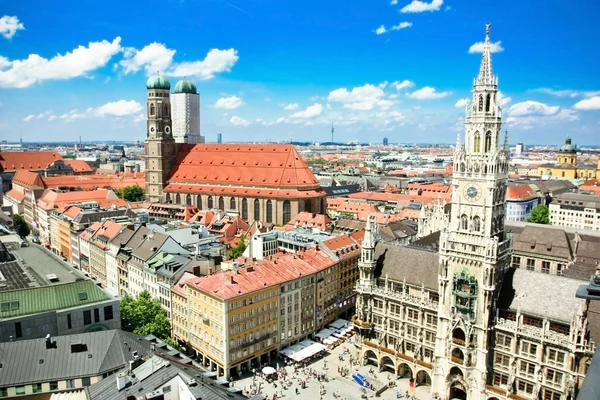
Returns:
(272, 69)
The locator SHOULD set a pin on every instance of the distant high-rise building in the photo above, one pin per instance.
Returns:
(519, 149)
(385, 141)
(219, 138)
(185, 106)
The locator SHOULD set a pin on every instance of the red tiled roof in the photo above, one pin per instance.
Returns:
(343, 246)
(185, 212)
(520, 192)
(15, 194)
(180, 286)
(264, 273)
(241, 191)
(72, 211)
(90, 182)
(79, 165)
(27, 160)
(27, 179)
(255, 165)
(52, 200)
(90, 231)
(306, 219)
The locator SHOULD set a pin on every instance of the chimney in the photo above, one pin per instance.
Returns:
(122, 380)
(49, 343)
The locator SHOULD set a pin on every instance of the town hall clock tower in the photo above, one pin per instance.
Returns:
(475, 250)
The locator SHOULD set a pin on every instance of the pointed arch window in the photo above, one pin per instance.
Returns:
(488, 141)
(209, 203)
(168, 198)
(151, 109)
(221, 203)
(177, 198)
(188, 200)
(476, 224)
(464, 222)
(256, 210)
(487, 102)
(269, 211)
(476, 142)
(245, 209)
(480, 102)
(287, 211)
(199, 202)
(166, 111)
(308, 206)
(232, 205)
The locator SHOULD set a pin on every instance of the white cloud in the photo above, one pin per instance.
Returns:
(405, 84)
(29, 118)
(153, 57)
(540, 119)
(477, 47)
(9, 25)
(381, 30)
(118, 108)
(139, 118)
(237, 121)
(593, 103)
(359, 98)
(568, 92)
(532, 108)
(461, 103)
(393, 96)
(291, 107)
(427, 93)
(417, 6)
(401, 25)
(383, 84)
(310, 112)
(157, 57)
(385, 104)
(502, 99)
(229, 103)
(24, 73)
(393, 2)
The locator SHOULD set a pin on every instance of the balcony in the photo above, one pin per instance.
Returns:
(364, 325)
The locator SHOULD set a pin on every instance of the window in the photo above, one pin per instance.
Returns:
(151, 109)
(269, 211)
(464, 222)
(556, 357)
(524, 387)
(480, 102)
(527, 368)
(516, 261)
(87, 317)
(412, 315)
(3, 392)
(96, 315)
(245, 209)
(85, 382)
(70, 383)
(18, 330)
(69, 322)
(199, 202)
(476, 224)
(501, 359)
(554, 377)
(210, 202)
(37, 387)
(287, 211)
(188, 199)
(476, 142)
(256, 210)
(551, 394)
(530, 264)
(53, 385)
(431, 320)
(529, 349)
(108, 313)
(503, 341)
(545, 267)
(232, 205)
(500, 379)
(487, 103)
(488, 142)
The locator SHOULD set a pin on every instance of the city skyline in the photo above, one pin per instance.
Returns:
(268, 71)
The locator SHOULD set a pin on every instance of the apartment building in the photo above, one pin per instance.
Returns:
(179, 310)
(575, 210)
(106, 231)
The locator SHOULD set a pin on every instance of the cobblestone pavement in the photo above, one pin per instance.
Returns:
(345, 387)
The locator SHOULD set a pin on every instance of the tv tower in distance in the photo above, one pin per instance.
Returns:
(332, 130)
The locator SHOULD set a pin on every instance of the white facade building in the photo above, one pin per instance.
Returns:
(185, 113)
(574, 210)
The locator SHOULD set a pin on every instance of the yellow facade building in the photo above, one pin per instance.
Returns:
(567, 166)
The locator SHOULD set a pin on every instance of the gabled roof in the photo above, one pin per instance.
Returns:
(51, 199)
(418, 266)
(307, 219)
(28, 179)
(520, 192)
(256, 165)
(27, 160)
(15, 195)
(29, 361)
(79, 165)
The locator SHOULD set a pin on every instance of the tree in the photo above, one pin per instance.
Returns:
(22, 227)
(238, 250)
(131, 193)
(540, 215)
(144, 315)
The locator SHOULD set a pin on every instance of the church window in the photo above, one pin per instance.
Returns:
(256, 210)
(269, 211)
(480, 102)
(476, 224)
(245, 209)
(487, 103)
(166, 110)
(488, 141)
(177, 198)
(168, 198)
(287, 211)
(464, 222)
(462, 167)
(221, 203)
(151, 109)
(210, 202)
(476, 143)
(232, 205)
(464, 290)
(199, 202)
(308, 206)
(188, 200)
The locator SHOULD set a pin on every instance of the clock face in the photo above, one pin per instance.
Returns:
(472, 192)
(151, 129)
(167, 129)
